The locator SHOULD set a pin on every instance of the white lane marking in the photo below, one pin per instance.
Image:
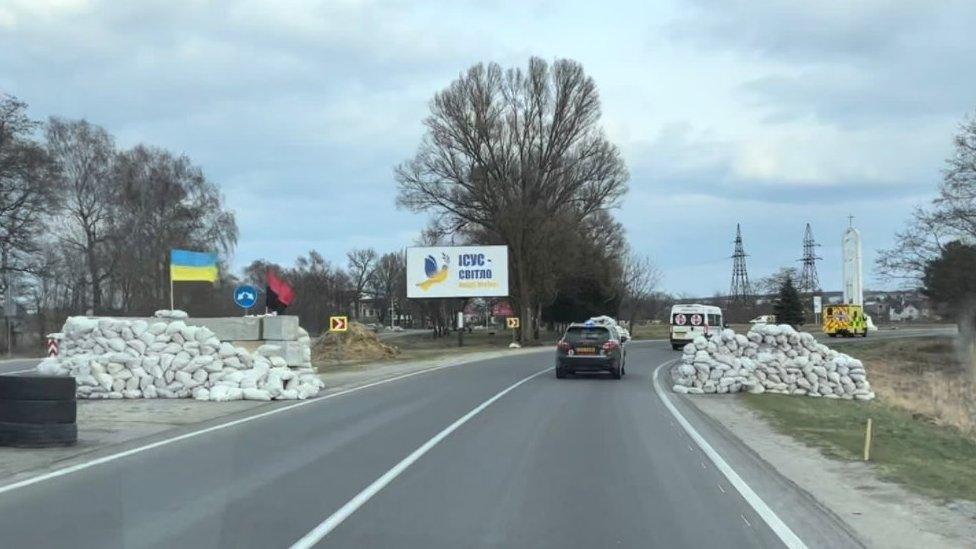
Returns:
(720, 488)
(19, 371)
(157, 444)
(782, 531)
(350, 507)
(745, 520)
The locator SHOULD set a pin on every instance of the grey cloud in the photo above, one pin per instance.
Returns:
(849, 63)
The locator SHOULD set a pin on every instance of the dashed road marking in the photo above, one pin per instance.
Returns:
(360, 499)
(776, 524)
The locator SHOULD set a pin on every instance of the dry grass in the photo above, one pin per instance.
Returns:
(357, 344)
(930, 377)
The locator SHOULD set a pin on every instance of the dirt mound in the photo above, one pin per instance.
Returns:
(358, 343)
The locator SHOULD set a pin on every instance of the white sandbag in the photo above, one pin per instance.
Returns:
(256, 394)
(50, 367)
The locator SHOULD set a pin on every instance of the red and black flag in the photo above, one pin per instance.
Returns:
(279, 293)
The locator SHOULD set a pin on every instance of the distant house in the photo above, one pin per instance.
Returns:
(368, 310)
(907, 312)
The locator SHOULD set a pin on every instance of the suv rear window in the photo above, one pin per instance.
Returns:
(581, 334)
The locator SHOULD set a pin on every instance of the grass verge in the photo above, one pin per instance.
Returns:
(909, 449)
(423, 346)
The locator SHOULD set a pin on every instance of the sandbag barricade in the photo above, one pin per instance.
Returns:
(167, 358)
(770, 358)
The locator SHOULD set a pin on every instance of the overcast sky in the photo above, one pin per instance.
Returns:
(766, 113)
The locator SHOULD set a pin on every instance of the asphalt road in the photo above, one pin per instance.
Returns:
(583, 462)
(18, 365)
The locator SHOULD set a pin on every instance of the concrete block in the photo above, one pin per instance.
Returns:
(231, 328)
(291, 351)
(280, 328)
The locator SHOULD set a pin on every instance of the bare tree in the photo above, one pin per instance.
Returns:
(771, 285)
(163, 202)
(505, 151)
(639, 278)
(361, 263)
(950, 217)
(26, 189)
(83, 154)
(388, 277)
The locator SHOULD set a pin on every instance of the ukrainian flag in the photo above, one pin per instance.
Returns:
(192, 266)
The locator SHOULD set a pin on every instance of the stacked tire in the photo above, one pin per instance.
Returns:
(38, 411)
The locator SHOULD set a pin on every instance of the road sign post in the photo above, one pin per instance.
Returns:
(512, 323)
(817, 308)
(460, 328)
(337, 325)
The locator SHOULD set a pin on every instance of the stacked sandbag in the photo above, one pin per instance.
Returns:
(770, 358)
(166, 358)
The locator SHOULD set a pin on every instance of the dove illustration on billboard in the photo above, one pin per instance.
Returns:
(435, 274)
(457, 271)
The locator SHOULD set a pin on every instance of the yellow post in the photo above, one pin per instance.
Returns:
(867, 441)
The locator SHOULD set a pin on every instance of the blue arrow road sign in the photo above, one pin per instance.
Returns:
(245, 296)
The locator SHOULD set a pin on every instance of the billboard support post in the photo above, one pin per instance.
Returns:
(460, 328)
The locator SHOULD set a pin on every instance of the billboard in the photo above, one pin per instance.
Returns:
(457, 271)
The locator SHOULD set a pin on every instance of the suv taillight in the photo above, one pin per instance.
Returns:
(610, 346)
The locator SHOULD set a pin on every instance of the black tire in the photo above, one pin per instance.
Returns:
(832, 335)
(37, 387)
(560, 373)
(38, 411)
(29, 435)
(615, 372)
(676, 346)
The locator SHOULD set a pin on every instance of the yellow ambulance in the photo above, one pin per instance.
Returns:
(844, 320)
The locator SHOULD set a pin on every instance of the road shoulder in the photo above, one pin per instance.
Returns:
(812, 522)
(881, 514)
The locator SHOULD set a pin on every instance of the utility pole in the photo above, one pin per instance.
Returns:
(740, 289)
(8, 298)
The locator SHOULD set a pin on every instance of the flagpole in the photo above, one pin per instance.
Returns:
(171, 304)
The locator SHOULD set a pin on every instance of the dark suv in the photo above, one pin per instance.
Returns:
(590, 347)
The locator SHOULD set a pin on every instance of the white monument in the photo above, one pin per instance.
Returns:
(853, 281)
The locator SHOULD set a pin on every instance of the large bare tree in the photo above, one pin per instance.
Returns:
(26, 190)
(83, 153)
(163, 202)
(506, 152)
